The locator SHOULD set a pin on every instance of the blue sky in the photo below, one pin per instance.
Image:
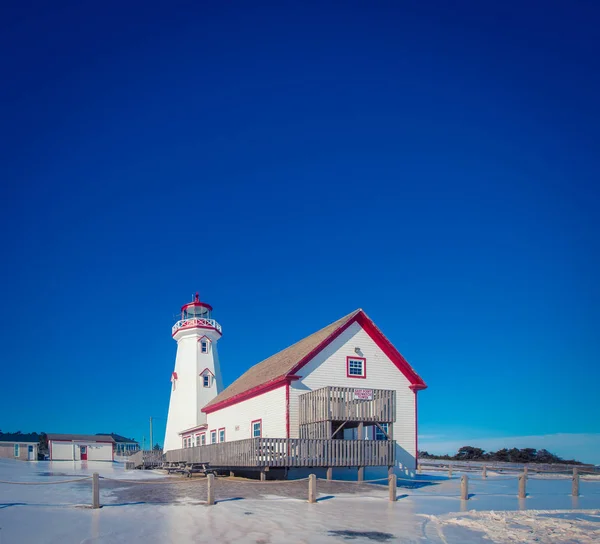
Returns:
(437, 166)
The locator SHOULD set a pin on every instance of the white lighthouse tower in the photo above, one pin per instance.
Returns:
(196, 379)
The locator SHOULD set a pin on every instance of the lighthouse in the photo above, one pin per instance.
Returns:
(196, 379)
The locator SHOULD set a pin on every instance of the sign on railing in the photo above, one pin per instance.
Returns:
(363, 394)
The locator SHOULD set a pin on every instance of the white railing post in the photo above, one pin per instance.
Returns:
(393, 486)
(464, 487)
(312, 488)
(210, 490)
(95, 490)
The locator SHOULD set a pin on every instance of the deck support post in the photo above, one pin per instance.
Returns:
(393, 485)
(312, 488)
(210, 489)
(464, 488)
(522, 486)
(575, 486)
(231, 474)
(263, 475)
(330, 473)
(361, 474)
(95, 490)
(484, 472)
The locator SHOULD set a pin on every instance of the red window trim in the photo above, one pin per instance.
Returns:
(350, 358)
(219, 435)
(216, 436)
(252, 428)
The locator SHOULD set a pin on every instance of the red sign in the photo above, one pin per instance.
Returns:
(363, 394)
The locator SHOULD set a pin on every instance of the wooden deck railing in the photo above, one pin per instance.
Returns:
(292, 452)
(345, 404)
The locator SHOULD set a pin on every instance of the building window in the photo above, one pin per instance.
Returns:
(203, 439)
(203, 346)
(380, 435)
(16, 450)
(213, 437)
(221, 435)
(206, 380)
(356, 367)
(257, 428)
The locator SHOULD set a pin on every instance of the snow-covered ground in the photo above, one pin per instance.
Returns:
(432, 513)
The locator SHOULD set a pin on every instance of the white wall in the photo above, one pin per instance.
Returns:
(329, 368)
(62, 451)
(70, 451)
(270, 407)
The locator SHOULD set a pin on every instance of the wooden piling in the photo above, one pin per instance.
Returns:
(393, 486)
(484, 472)
(464, 487)
(210, 490)
(522, 486)
(330, 473)
(95, 490)
(312, 488)
(575, 485)
(419, 469)
(525, 472)
(449, 471)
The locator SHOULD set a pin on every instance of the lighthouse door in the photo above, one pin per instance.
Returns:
(83, 451)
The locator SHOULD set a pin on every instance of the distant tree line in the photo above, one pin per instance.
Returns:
(513, 455)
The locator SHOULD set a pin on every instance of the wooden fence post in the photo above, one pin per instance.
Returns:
(95, 490)
(575, 486)
(393, 485)
(210, 489)
(464, 487)
(312, 488)
(484, 472)
(522, 484)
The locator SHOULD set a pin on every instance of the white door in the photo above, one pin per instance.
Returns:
(30, 453)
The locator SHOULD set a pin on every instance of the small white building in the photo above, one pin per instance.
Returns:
(80, 447)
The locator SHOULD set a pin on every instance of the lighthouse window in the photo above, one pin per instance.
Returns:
(204, 346)
(206, 380)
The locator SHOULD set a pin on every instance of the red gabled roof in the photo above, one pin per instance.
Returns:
(282, 367)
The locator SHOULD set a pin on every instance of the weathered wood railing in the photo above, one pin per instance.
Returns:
(344, 404)
(292, 452)
(147, 458)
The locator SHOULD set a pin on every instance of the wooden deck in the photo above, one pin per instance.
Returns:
(288, 453)
(344, 404)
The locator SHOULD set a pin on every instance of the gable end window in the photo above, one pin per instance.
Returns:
(356, 367)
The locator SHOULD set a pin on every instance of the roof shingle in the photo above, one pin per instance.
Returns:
(280, 364)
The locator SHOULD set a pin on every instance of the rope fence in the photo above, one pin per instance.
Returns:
(392, 483)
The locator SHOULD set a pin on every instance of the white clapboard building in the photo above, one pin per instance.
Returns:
(348, 366)
(80, 447)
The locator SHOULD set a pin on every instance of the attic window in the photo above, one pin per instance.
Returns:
(356, 367)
